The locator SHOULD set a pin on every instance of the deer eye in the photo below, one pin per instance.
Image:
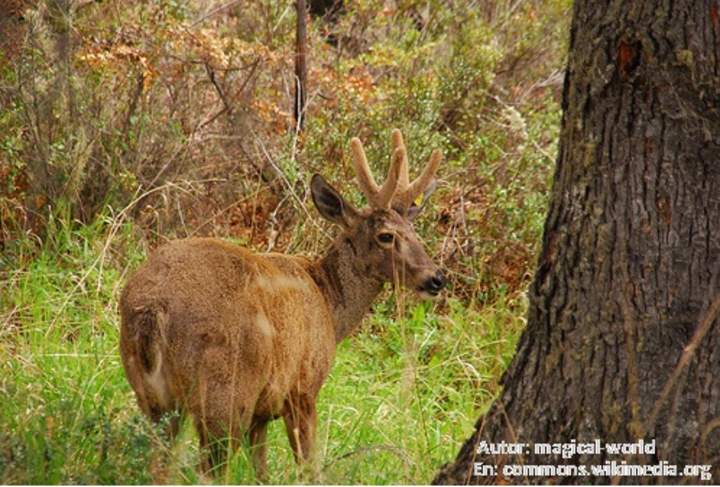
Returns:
(385, 238)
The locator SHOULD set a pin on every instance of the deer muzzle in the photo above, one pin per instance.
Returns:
(433, 284)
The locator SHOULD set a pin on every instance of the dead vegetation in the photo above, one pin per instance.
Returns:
(185, 110)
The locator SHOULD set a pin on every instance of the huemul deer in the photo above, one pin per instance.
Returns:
(236, 339)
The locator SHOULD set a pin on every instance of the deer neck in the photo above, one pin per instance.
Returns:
(344, 279)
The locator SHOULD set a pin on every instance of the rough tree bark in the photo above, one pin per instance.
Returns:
(623, 336)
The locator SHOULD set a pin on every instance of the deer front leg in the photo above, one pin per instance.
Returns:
(300, 420)
(258, 445)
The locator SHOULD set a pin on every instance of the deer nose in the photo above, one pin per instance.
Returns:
(434, 284)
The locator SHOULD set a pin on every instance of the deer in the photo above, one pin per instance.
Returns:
(235, 339)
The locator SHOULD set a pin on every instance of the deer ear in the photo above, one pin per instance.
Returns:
(417, 206)
(330, 204)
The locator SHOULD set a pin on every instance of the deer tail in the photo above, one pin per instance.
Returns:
(143, 346)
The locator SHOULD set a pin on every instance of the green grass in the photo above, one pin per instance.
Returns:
(402, 396)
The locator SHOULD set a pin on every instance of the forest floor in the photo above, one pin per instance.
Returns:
(173, 119)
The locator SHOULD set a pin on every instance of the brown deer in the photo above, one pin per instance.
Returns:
(236, 339)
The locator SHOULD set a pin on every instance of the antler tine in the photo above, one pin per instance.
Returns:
(367, 183)
(392, 183)
(397, 142)
(421, 183)
(396, 187)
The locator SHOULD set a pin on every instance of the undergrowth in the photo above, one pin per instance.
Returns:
(401, 396)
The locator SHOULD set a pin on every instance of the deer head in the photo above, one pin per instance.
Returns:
(381, 236)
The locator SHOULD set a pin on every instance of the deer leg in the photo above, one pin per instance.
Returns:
(300, 420)
(219, 429)
(216, 442)
(258, 446)
(222, 412)
(160, 458)
(212, 450)
(173, 426)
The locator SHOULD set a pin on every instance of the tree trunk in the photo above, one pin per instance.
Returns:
(300, 64)
(623, 341)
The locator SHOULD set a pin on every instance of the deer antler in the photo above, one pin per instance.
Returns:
(397, 191)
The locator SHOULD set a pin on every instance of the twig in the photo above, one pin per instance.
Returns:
(213, 12)
(703, 327)
(211, 74)
(288, 185)
(399, 452)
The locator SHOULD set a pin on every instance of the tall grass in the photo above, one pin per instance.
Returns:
(401, 396)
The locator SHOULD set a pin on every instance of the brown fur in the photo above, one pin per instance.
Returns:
(236, 339)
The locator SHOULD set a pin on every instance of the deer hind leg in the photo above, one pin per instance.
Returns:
(229, 382)
(173, 426)
(215, 442)
(220, 435)
(300, 421)
(258, 446)
(221, 418)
